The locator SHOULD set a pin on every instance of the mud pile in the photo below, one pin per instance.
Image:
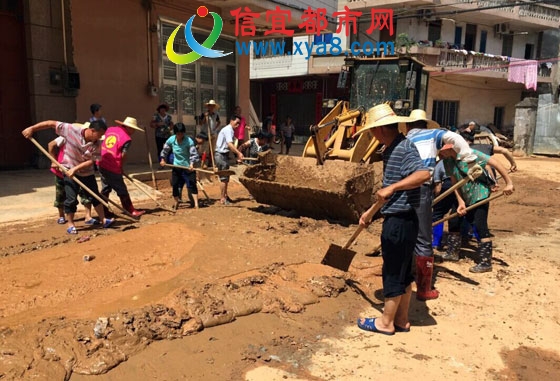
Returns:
(58, 347)
(337, 190)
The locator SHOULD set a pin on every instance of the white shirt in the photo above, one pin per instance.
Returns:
(224, 137)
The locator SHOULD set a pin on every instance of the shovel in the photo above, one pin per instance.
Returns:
(217, 173)
(341, 257)
(480, 203)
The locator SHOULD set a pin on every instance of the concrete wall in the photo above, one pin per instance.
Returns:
(110, 41)
(477, 99)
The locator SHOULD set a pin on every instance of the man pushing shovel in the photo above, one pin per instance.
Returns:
(403, 174)
(82, 146)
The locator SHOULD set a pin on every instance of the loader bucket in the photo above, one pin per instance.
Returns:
(338, 190)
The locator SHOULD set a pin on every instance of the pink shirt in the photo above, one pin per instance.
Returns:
(111, 149)
(240, 131)
(76, 150)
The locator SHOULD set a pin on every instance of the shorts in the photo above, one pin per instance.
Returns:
(222, 162)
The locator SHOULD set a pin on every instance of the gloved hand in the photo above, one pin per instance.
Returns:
(475, 170)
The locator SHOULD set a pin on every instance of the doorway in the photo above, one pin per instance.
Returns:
(15, 150)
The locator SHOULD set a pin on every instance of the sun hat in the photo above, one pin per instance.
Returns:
(381, 115)
(418, 114)
(212, 102)
(130, 122)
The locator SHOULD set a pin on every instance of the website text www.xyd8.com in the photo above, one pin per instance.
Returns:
(306, 49)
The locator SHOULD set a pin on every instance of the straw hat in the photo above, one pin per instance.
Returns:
(130, 122)
(381, 115)
(418, 114)
(80, 125)
(212, 102)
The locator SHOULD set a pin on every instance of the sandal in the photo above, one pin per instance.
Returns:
(108, 222)
(369, 325)
(61, 221)
(72, 230)
(92, 221)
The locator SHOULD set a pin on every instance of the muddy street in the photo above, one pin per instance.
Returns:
(238, 293)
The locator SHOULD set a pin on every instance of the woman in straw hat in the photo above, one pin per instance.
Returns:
(403, 173)
(113, 155)
(428, 139)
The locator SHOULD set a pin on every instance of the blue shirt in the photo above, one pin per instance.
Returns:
(400, 160)
(184, 153)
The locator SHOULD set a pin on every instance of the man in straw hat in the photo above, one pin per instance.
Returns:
(403, 174)
(80, 152)
(113, 155)
(211, 118)
(428, 139)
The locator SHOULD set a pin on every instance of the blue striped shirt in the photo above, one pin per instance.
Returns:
(428, 143)
(400, 160)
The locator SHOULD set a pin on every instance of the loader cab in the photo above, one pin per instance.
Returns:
(401, 82)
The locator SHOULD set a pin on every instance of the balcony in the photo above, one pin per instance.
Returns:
(485, 65)
(530, 17)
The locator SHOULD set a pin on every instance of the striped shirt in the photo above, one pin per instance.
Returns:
(400, 160)
(428, 143)
(77, 150)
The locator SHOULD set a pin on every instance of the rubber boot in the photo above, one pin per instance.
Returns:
(126, 203)
(437, 235)
(453, 247)
(485, 258)
(424, 271)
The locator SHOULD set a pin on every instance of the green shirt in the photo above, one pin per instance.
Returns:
(473, 191)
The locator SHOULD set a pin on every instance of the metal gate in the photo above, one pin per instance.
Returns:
(547, 133)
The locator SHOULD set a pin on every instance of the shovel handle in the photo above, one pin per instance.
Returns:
(77, 181)
(476, 205)
(376, 207)
(354, 236)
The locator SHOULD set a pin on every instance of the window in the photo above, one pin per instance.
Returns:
(434, 30)
(499, 117)
(470, 37)
(507, 44)
(483, 36)
(458, 37)
(529, 48)
(445, 113)
(187, 87)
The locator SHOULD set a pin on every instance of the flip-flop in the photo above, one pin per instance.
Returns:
(61, 221)
(369, 325)
(401, 329)
(108, 222)
(72, 230)
(92, 221)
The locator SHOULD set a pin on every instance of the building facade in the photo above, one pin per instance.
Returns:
(60, 56)
(471, 49)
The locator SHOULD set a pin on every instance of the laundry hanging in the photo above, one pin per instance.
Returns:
(523, 71)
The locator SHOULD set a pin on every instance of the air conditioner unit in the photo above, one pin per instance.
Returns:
(501, 28)
(425, 14)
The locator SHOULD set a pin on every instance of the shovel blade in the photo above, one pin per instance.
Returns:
(338, 257)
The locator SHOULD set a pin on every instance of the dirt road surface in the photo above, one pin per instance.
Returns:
(238, 293)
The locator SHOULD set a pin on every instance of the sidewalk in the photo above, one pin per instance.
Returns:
(29, 194)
